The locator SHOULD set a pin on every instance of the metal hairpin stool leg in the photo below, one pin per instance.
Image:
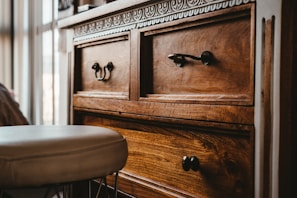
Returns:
(103, 180)
(50, 189)
(116, 185)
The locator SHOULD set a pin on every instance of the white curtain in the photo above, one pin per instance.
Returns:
(25, 70)
(36, 71)
(5, 44)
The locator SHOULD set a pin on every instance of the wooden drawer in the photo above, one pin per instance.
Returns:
(156, 152)
(228, 79)
(113, 50)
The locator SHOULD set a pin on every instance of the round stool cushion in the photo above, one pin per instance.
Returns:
(40, 155)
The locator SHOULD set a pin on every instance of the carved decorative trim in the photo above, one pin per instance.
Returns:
(160, 12)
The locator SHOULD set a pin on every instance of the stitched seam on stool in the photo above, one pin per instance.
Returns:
(62, 153)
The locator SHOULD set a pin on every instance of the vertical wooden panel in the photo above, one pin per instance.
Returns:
(288, 104)
(134, 65)
(268, 60)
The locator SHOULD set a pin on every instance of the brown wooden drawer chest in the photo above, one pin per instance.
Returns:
(177, 79)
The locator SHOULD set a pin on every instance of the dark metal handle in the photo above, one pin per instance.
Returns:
(180, 59)
(109, 67)
(190, 163)
(186, 163)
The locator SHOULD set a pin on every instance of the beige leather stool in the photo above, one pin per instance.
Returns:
(36, 156)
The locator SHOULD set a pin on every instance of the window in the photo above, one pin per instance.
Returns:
(36, 61)
(5, 43)
(50, 74)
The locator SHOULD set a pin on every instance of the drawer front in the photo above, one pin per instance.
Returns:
(156, 153)
(228, 78)
(110, 82)
(225, 162)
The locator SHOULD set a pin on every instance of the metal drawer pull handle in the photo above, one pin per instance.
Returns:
(180, 59)
(109, 67)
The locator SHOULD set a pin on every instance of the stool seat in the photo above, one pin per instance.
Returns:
(41, 155)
